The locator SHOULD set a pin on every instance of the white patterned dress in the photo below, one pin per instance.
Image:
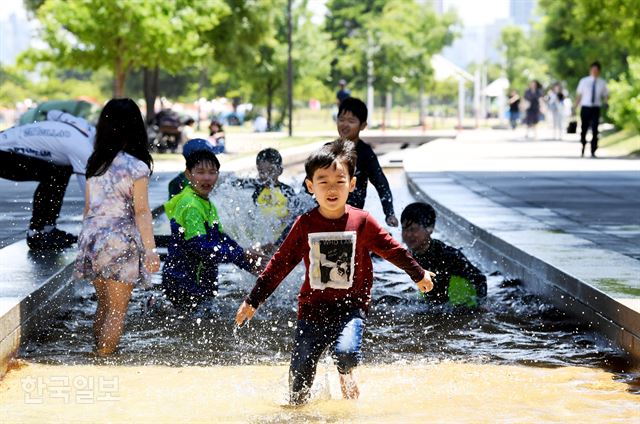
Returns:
(110, 244)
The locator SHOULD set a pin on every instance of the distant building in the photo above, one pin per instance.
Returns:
(521, 12)
(15, 36)
(478, 43)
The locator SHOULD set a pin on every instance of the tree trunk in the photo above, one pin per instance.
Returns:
(421, 101)
(150, 87)
(119, 78)
(269, 104)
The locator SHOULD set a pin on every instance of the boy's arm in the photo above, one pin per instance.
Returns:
(283, 261)
(212, 245)
(387, 247)
(461, 266)
(379, 181)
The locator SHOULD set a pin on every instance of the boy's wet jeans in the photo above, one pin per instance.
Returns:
(344, 335)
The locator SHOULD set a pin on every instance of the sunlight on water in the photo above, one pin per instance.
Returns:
(444, 392)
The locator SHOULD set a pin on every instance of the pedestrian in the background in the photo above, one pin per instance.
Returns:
(343, 92)
(216, 136)
(555, 101)
(47, 152)
(116, 244)
(592, 96)
(188, 130)
(514, 109)
(532, 116)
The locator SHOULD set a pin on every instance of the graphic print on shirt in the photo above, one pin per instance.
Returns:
(331, 259)
(272, 202)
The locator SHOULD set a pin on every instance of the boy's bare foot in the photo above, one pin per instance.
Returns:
(103, 352)
(349, 386)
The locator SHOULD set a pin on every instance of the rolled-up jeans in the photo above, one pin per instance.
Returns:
(343, 334)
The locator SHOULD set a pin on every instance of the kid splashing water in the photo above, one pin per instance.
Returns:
(332, 306)
(117, 248)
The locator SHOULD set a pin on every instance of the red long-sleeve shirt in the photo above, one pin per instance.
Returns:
(338, 278)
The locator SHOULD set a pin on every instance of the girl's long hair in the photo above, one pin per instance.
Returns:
(120, 128)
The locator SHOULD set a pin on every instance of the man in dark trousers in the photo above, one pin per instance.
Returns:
(48, 152)
(592, 96)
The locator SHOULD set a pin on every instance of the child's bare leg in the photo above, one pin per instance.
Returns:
(101, 309)
(349, 386)
(117, 296)
(347, 355)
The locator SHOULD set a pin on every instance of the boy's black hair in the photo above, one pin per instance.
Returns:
(202, 156)
(339, 150)
(269, 155)
(356, 107)
(420, 213)
(597, 65)
(120, 129)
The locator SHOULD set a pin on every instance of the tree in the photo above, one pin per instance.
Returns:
(345, 21)
(521, 57)
(625, 109)
(262, 66)
(399, 53)
(579, 32)
(125, 35)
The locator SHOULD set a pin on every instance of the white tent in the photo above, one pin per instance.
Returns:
(497, 87)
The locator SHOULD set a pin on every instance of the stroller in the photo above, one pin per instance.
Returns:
(165, 131)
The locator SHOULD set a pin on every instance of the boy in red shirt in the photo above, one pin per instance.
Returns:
(335, 241)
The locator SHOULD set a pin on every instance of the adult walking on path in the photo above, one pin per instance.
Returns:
(47, 152)
(592, 96)
(533, 96)
(343, 92)
(555, 101)
(514, 109)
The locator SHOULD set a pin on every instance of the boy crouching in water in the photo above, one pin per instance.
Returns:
(333, 302)
(458, 282)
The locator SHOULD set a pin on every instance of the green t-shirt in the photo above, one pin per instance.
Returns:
(191, 212)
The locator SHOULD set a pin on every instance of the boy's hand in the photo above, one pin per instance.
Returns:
(392, 221)
(257, 258)
(245, 313)
(151, 261)
(426, 284)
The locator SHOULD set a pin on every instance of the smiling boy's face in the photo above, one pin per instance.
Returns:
(331, 187)
(349, 126)
(203, 177)
(268, 172)
(416, 237)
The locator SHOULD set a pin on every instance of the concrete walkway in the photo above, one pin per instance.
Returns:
(563, 224)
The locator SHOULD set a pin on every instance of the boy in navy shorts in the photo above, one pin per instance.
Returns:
(335, 241)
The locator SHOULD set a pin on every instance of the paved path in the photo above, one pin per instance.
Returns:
(596, 199)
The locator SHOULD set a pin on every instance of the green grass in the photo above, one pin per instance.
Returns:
(623, 143)
(618, 286)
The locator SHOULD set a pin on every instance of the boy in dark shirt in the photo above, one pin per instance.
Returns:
(352, 118)
(335, 241)
(457, 281)
(273, 197)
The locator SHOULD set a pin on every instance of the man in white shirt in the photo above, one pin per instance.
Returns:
(592, 95)
(48, 152)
